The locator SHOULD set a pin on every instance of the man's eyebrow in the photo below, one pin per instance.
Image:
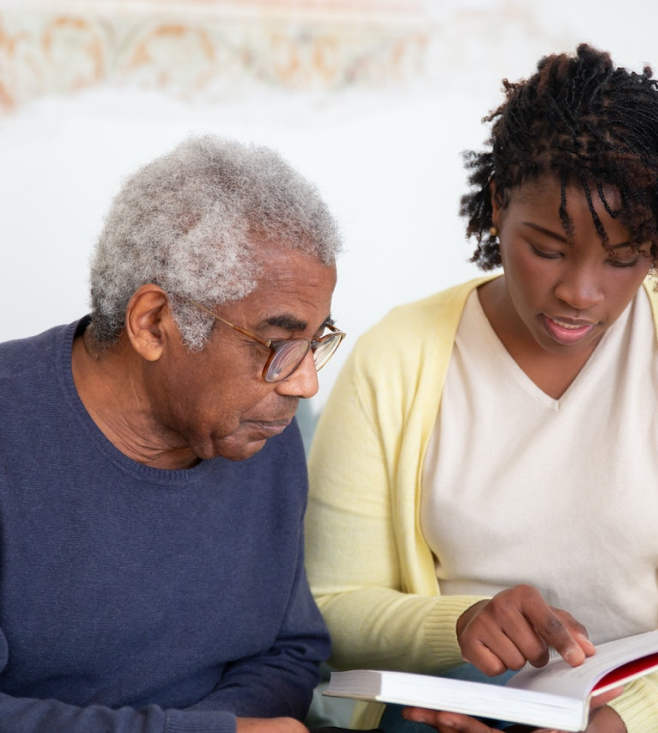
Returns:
(562, 238)
(290, 323)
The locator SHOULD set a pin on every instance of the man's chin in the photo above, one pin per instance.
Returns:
(237, 447)
(244, 443)
(242, 451)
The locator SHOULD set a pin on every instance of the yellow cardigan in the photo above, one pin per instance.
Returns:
(370, 569)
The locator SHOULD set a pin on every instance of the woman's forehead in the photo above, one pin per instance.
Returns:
(546, 189)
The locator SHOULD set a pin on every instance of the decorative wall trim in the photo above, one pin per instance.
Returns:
(341, 10)
(204, 47)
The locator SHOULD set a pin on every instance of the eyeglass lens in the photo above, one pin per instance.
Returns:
(325, 350)
(288, 355)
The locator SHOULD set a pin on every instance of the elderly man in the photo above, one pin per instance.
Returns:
(152, 477)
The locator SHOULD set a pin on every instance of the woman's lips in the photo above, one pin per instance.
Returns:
(567, 331)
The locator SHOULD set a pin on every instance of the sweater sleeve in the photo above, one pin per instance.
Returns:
(378, 613)
(32, 715)
(28, 715)
(279, 681)
(638, 705)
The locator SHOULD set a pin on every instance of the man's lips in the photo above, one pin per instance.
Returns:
(271, 427)
(567, 331)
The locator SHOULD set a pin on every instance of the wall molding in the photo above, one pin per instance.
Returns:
(204, 48)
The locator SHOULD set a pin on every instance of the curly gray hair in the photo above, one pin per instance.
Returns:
(197, 222)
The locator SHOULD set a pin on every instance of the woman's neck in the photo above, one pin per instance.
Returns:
(553, 373)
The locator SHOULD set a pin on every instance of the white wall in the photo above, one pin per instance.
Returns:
(387, 160)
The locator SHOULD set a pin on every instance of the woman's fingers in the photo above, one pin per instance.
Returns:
(517, 625)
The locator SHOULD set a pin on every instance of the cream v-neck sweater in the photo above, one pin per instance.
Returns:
(534, 480)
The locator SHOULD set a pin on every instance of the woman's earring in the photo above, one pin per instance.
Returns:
(493, 232)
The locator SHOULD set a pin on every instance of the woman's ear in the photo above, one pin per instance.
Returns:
(148, 321)
(496, 205)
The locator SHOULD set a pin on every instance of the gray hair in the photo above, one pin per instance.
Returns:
(198, 222)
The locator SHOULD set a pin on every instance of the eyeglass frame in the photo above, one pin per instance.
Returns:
(272, 343)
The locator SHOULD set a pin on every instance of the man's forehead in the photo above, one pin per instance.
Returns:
(293, 292)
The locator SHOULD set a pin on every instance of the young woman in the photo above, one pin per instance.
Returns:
(483, 477)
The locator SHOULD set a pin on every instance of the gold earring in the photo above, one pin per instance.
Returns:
(493, 231)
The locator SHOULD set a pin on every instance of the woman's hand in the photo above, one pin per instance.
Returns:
(602, 719)
(515, 626)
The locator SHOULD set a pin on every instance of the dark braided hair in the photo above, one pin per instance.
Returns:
(581, 120)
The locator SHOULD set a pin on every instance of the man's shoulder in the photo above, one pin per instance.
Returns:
(19, 355)
(29, 374)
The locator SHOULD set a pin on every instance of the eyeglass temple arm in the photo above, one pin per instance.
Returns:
(244, 332)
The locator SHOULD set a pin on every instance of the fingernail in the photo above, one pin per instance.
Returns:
(576, 656)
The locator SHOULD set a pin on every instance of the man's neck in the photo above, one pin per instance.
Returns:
(108, 381)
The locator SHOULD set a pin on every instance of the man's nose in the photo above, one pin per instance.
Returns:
(303, 382)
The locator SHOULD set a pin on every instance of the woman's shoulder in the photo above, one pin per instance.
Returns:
(444, 307)
(412, 337)
(651, 289)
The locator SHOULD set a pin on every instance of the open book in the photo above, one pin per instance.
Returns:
(554, 696)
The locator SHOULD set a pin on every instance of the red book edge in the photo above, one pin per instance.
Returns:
(626, 672)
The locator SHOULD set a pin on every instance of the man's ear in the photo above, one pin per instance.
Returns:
(148, 321)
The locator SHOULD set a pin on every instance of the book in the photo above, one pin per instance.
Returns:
(554, 696)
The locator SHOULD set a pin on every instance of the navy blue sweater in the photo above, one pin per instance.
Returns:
(140, 599)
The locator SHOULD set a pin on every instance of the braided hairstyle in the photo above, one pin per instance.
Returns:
(580, 120)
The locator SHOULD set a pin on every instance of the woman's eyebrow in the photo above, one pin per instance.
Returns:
(548, 232)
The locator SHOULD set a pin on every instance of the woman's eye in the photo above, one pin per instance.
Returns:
(624, 263)
(545, 254)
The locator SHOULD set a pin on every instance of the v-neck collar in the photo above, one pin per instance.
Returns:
(498, 350)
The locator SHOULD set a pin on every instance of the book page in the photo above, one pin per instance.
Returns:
(470, 698)
(555, 696)
(559, 678)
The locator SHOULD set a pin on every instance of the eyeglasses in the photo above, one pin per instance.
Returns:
(286, 354)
